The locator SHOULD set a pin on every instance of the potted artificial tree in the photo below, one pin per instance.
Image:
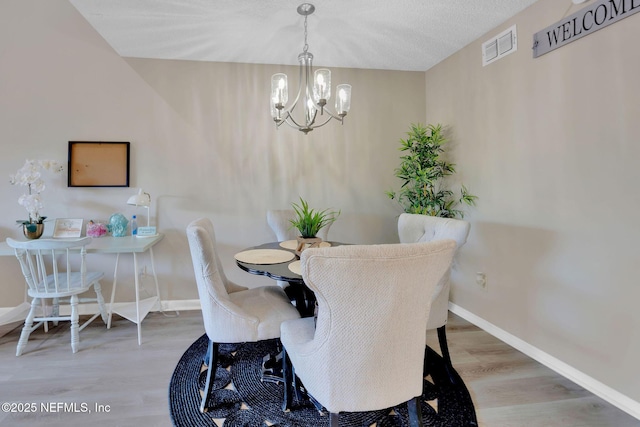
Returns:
(423, 173)
(308, 222)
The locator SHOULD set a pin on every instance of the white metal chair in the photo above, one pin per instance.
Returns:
(366, 350)
(424, 228)
(231, 313)
(51, 272)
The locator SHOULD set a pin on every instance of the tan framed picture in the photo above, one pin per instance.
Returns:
(98, 164)
(67, 227)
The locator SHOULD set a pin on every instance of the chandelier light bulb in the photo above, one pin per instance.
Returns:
(343, 100)
(310, 111)
(322, 87)
(279, 90)
(279, 95)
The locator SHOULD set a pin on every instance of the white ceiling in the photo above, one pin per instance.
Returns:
(411, 35)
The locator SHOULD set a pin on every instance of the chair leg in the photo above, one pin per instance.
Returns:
(297, 386)
(415, 412)
(100, 299)
(297, 295)
(444, 348)
(206, 357)
(45, 314)
(75, 338)
(28, 327)
(287, 378)
(334, 419)
(56, 310)
(211, 375)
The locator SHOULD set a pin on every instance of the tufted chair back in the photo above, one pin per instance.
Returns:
(367, 349)
(424, 228)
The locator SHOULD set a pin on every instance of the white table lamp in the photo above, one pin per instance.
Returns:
(141, 199)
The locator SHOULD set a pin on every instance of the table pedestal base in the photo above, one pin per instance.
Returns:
(272, 368)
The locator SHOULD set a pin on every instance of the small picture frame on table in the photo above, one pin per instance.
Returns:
(67, 227)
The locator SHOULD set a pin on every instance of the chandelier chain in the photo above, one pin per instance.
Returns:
(306, 46)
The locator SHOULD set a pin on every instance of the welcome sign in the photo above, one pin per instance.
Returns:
(582, 23)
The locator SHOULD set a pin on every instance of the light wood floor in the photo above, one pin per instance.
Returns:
(131, 381)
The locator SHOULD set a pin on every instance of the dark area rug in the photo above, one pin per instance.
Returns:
(257, 403)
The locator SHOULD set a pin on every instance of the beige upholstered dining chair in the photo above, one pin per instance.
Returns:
(424, 228)
(366, 350)
(231, 313)
(52, 273)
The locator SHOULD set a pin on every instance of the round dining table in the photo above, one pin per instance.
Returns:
(276, 270)
(279, 261)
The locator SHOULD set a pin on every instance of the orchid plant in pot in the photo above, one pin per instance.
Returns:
(29, 175)
(309, 221)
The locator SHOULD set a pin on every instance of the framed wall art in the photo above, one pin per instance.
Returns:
(98, 164)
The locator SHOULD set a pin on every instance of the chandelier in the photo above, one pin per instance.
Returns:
(313, 93)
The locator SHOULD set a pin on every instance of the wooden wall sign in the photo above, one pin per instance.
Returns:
(584, 22)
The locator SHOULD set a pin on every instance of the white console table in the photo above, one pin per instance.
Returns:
(133, 311)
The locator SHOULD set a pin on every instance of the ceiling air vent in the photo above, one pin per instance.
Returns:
(501, 45)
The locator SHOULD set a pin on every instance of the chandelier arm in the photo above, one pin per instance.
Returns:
(326, 110)
(313, 120)
(287, 116)
(292, 123)
(289, 109)
(298, 127)
(281, 120)
(325, 122)
(306, 76)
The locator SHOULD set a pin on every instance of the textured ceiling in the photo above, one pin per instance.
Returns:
(411, 35)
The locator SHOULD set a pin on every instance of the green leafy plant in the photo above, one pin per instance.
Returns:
(309, 221)
(423, 172)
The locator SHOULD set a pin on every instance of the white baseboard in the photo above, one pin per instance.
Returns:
(14, 314)
(19, 313)
(601, 390)
(181, 305)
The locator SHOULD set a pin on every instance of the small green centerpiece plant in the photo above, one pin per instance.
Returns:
(308, 222)
(423, 173)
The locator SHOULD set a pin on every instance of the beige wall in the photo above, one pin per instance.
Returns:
(550, 146)
(202, 141)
